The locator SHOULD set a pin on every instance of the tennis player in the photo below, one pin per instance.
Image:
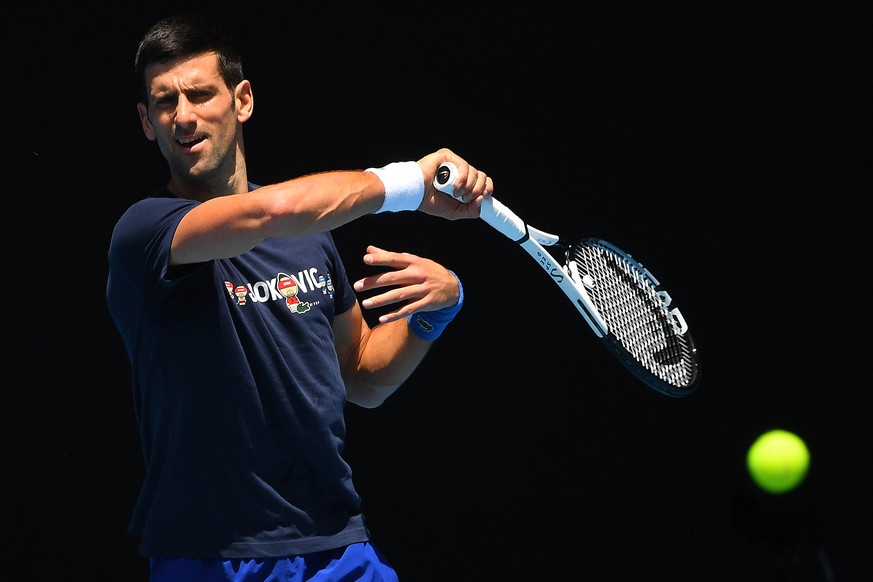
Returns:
(245, 337)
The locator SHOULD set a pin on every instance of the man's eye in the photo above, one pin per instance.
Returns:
(199, 97)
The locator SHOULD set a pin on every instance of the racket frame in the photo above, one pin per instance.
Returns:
(565, 274)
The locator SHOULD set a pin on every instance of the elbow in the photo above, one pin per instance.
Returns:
(367, 396)
(369, 404)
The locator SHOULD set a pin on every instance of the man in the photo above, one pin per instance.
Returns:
(246, 339)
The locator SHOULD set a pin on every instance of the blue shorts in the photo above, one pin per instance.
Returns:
(359, 562)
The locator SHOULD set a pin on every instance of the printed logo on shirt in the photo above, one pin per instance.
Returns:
(284, 287)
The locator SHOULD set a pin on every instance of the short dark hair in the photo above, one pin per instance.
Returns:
(188, 35)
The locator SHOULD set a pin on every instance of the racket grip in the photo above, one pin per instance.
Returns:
(492, 210)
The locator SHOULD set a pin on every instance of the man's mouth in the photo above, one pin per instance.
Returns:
(189, 142)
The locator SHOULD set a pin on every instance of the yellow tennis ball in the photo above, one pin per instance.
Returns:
(778, 461)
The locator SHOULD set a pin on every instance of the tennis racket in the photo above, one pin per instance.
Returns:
(622, 302)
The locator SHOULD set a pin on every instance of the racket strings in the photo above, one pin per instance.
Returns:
(636, 314)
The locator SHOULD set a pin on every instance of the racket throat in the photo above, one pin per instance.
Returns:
(583, 302)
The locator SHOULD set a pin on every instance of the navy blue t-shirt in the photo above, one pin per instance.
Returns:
(237, 391)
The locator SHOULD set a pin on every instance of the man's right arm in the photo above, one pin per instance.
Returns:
(228, 226)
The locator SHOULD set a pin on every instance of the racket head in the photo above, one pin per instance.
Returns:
(646, 331)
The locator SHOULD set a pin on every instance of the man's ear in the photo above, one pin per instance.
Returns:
(147, 128)
(245, 101)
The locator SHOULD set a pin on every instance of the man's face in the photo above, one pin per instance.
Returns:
(193, 116)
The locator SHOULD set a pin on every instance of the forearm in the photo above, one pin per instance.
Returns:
(378, 360)
(388, 357)
(321, 202)
(227, 226)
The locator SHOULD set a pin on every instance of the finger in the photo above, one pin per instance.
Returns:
(475, 185)
(379, 257)
(384, 279)
(487, 190)
(372, 254)
(402, 273)
(465, 192)
(409, 295)
(480, 185)
(405, 311)
(489, 187)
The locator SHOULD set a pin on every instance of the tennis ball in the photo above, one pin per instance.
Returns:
(778, 461)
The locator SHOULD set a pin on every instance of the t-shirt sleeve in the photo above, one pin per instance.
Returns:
(140, 247)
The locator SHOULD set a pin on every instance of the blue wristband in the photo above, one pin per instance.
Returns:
(429, 325)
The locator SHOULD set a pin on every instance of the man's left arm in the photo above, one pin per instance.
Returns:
(376, 361)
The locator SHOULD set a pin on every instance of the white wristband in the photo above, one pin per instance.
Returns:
(404, 186)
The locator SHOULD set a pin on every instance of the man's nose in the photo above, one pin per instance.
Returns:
(184, 111)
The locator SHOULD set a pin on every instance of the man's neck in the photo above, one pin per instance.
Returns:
(205, 188)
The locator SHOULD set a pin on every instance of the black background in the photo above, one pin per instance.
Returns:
(724, 144)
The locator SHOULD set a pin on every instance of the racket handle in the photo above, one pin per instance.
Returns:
(445, 177)
(492, 210)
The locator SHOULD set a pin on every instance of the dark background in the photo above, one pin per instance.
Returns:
(724, 144)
